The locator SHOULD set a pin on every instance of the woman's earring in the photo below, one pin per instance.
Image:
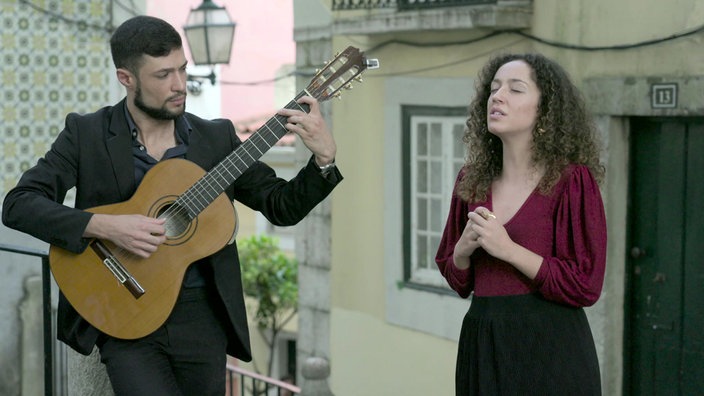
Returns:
(540, 131)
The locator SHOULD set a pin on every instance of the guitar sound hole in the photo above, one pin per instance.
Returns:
(177, 220)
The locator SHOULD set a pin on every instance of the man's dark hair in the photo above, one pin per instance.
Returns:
(142, 35)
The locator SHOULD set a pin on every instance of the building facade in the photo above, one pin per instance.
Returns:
(391, 323)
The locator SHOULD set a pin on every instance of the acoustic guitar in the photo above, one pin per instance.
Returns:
(129, 297)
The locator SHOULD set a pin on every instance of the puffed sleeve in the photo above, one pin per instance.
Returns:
(460, 280)
(575, 274)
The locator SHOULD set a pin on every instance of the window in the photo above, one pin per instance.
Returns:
(417, 297)
(433, 153)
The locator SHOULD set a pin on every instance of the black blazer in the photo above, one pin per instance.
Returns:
(94, 154)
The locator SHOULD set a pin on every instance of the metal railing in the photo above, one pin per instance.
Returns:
(46, 311)
(403, 5)
(241, 382)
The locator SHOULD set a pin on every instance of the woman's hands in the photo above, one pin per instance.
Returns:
(486, 231)
(489, 233)
(482, 230)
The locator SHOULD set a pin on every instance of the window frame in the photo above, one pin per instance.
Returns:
(431, 310)
(446, 114)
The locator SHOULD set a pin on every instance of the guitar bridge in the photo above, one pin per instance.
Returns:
(118, 270)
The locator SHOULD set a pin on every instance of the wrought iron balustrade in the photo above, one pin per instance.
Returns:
(240, 382)
(53, 370)
(403, 5)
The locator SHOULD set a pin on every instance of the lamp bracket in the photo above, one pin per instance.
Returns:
(194, 82)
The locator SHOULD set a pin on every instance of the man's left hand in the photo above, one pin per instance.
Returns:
(312, 129)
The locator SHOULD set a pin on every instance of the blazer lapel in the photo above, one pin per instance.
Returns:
(200, 150)
(119, 145)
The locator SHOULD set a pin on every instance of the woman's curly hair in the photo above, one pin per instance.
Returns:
(564, 133)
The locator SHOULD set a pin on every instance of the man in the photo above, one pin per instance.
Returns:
(105, 155)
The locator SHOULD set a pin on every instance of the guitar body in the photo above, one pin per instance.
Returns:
(129, 297)
(95, 291)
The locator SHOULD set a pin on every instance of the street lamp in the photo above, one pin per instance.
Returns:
(209, 33)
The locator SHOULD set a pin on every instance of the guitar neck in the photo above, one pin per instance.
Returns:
(214, 183)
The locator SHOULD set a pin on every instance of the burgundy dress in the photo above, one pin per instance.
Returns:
(523, 336)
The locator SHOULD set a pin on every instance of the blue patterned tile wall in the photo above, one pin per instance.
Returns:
(54, 59)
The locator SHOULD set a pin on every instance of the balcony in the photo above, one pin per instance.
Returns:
(48, 372)
(399, 16)
(403, 4)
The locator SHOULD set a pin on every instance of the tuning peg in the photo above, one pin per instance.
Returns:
(359, 78)
(337, 95)
(347, 86)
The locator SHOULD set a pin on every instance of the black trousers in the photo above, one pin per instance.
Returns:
(525, 345)
(185, 356)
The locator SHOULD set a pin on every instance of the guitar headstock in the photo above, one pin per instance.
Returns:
(338, 73)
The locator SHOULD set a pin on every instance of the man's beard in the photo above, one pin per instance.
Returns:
(157, 113)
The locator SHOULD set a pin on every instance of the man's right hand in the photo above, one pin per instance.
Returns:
(137, 234)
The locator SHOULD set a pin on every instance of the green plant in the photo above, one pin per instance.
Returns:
(271, 278)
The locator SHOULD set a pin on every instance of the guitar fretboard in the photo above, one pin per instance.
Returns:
(214, 183)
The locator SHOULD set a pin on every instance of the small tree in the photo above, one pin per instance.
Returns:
(270, 277)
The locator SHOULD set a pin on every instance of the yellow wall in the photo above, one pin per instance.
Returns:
(359, 153)
(606, 23)
(369, 356)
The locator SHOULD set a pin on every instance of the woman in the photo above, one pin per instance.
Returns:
(526, 234)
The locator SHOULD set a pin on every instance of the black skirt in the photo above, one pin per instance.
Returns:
(525, 345)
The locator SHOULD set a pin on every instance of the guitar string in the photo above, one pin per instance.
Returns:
(239, 162)
(121, 254)
(211, 178)
(201, 194)
(193, 198)
(193, 201)
(183, 211)
(198, 189)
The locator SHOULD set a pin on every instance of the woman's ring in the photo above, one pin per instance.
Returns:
(487, 214)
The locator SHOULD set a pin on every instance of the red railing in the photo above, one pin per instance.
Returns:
(241, 382)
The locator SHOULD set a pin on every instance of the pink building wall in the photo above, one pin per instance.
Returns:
(263, 43)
